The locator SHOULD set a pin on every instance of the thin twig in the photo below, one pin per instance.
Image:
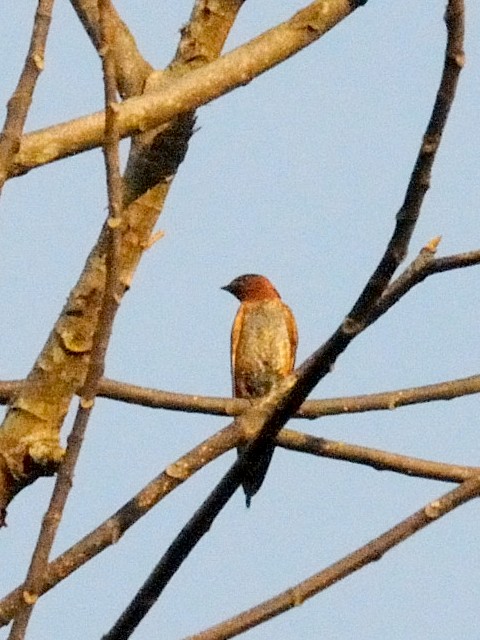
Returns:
(64, 481)
(21, 100)
(424, 265)
(177, 552)
(419, 183)
(375, 458)
(371, 552)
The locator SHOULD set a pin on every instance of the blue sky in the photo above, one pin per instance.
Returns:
(297, 176)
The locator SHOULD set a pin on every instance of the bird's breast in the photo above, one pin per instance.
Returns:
(263, 353)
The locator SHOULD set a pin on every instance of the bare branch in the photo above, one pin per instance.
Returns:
(310, 409)
(21, 100)
(375, 458)
(101, 338)
(420, 179)
(389, 400)
(264, 421)
(318, 365)
(131, 69)
(186, 93)
(371, 552)
(110, 531)
(155, 155)
(423, 266)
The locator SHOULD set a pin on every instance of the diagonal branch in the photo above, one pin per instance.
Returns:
(131, 69)
(21, 100)
(186, 93)
(375, 458)
(371, 552)
(424, 265)
(112, 529)
(318, 365)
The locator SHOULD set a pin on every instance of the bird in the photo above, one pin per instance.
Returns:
(263, 347)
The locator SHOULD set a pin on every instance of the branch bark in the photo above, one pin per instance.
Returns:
(29, 437)
(100, 340)
(371, 552)
(188, 92)
(21, 100)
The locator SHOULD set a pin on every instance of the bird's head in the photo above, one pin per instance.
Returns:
(252, 287)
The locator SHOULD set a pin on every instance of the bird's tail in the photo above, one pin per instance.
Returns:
(255, 471)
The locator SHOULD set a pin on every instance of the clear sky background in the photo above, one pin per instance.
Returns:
(297, 176)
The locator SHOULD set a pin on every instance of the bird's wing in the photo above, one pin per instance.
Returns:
(292, 334)
(236, 331)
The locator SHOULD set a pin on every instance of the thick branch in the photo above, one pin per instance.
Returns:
(185, 94)
(156, 154)
(29, 438)
(131, 69)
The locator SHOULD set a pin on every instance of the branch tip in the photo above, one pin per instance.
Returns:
(433, 244)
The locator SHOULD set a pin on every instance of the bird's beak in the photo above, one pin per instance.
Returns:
(226, 288)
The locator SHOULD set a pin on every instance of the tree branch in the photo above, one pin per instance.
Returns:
(101, 337)
(310, 409)
(131, 68)
(423, 266)
(29, 438)
(371, 552)
(112, 529)
(21, 100)
(186, 93)
(264, 420)
(375, 458)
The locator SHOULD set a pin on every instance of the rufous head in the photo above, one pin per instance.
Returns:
(252, 287)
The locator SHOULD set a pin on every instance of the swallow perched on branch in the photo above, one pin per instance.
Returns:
(263, 346)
